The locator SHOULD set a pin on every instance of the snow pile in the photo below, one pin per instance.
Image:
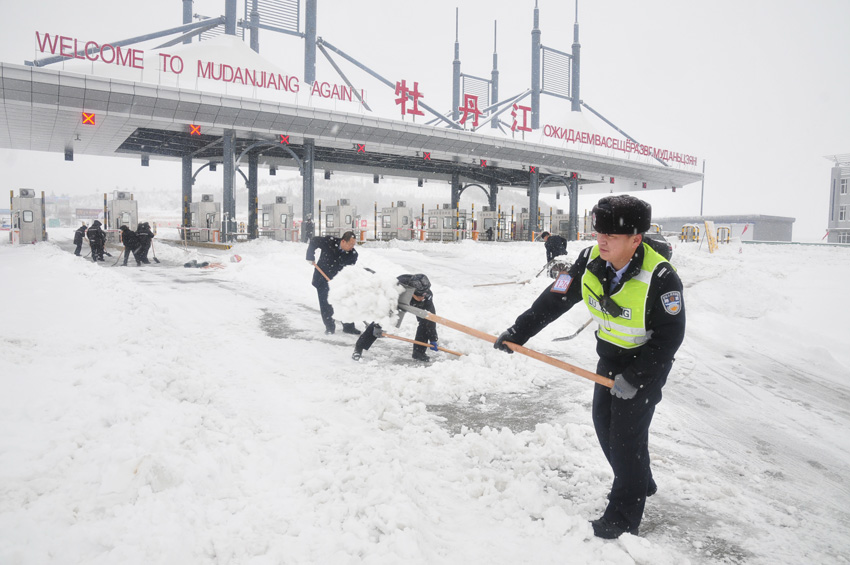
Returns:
(359, 295)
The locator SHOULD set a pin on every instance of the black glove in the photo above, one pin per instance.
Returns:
(507, 335)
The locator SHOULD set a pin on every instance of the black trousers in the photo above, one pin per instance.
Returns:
(325, 307)
(127, 251)
(78, 249)
(622, 428)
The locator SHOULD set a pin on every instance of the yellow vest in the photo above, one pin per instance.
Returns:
(628, 330)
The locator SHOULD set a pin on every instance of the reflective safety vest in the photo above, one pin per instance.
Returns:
(628, 330)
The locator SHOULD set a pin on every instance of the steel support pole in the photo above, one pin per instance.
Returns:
(572, 191)
(187, 190)
(535, 70)
(230, 17)
(455, 190)
(187, 17)
(307, 192)
(456, 74)
(228, 199)
(310, 43)
(493, 197)
(253, 212)
(494, 79)
(533, 202)
(575, 90)
(254, 16)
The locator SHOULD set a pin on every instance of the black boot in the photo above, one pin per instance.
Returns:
(358, 353)
(350, 329)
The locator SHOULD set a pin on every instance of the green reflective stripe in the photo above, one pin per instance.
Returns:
(627, 331)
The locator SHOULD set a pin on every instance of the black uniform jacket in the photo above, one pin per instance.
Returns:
(96, 234)
(129, 238)
(79, 234)
(665, 330)
(332, 260)
(555, 246)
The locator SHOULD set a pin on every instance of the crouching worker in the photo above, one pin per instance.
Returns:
(79, 235)
(131, 242)
(417, 293)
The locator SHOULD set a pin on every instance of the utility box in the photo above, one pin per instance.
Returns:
(205, 220)
(277, 220)
(28, 225)
(397, 222)
(341, 218)
(447, 223)
(123, 211)
(490, 227)
(560, 224)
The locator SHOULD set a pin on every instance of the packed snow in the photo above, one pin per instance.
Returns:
(163, 414)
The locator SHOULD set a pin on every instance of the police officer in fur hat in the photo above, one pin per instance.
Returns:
(635, 297)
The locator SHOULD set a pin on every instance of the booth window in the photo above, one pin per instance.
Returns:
(844, 237)
(266, 220)
(564, 226)
(448, 223)
(329, 221)
(28, 215)
(125, 219)
(348, 220)
(386, 221)
(405, 220)
(842, 214)
(432, 223)
(283, 220)
(844, 186)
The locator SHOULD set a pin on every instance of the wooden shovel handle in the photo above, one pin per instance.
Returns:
(428, 345)
(604, 381)
(321, 271)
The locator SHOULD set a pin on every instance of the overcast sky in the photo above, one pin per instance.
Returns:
(758, 89)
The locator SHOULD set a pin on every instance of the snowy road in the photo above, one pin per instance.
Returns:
(171, 415)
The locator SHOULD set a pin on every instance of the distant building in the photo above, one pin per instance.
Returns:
(839, 199)
(754, 227)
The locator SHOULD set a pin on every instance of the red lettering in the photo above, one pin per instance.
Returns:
(224, 74)
(122, 57)
(325, 90)
(64, 45)
(205, 70)
(46, 41)
(111, 49)
(77, 53)
(94, 47)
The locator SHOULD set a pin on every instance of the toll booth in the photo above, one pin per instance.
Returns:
(448, 224)
(27, 217)
(560, 223)
(278, 220)
(123, 211)
(397, 222)
(341, 218)
(523, 227)
(489, 225)
(205, 219)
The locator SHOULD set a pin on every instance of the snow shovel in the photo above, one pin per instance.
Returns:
(322, 272)
(578, 331)
(420, 343)
(419, 313)
(155, 260)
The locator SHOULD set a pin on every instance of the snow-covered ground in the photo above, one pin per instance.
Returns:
(171, 415)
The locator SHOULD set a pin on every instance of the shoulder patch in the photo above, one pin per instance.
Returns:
(672, 302)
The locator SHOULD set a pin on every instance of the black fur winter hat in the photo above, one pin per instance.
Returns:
(621, 214)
